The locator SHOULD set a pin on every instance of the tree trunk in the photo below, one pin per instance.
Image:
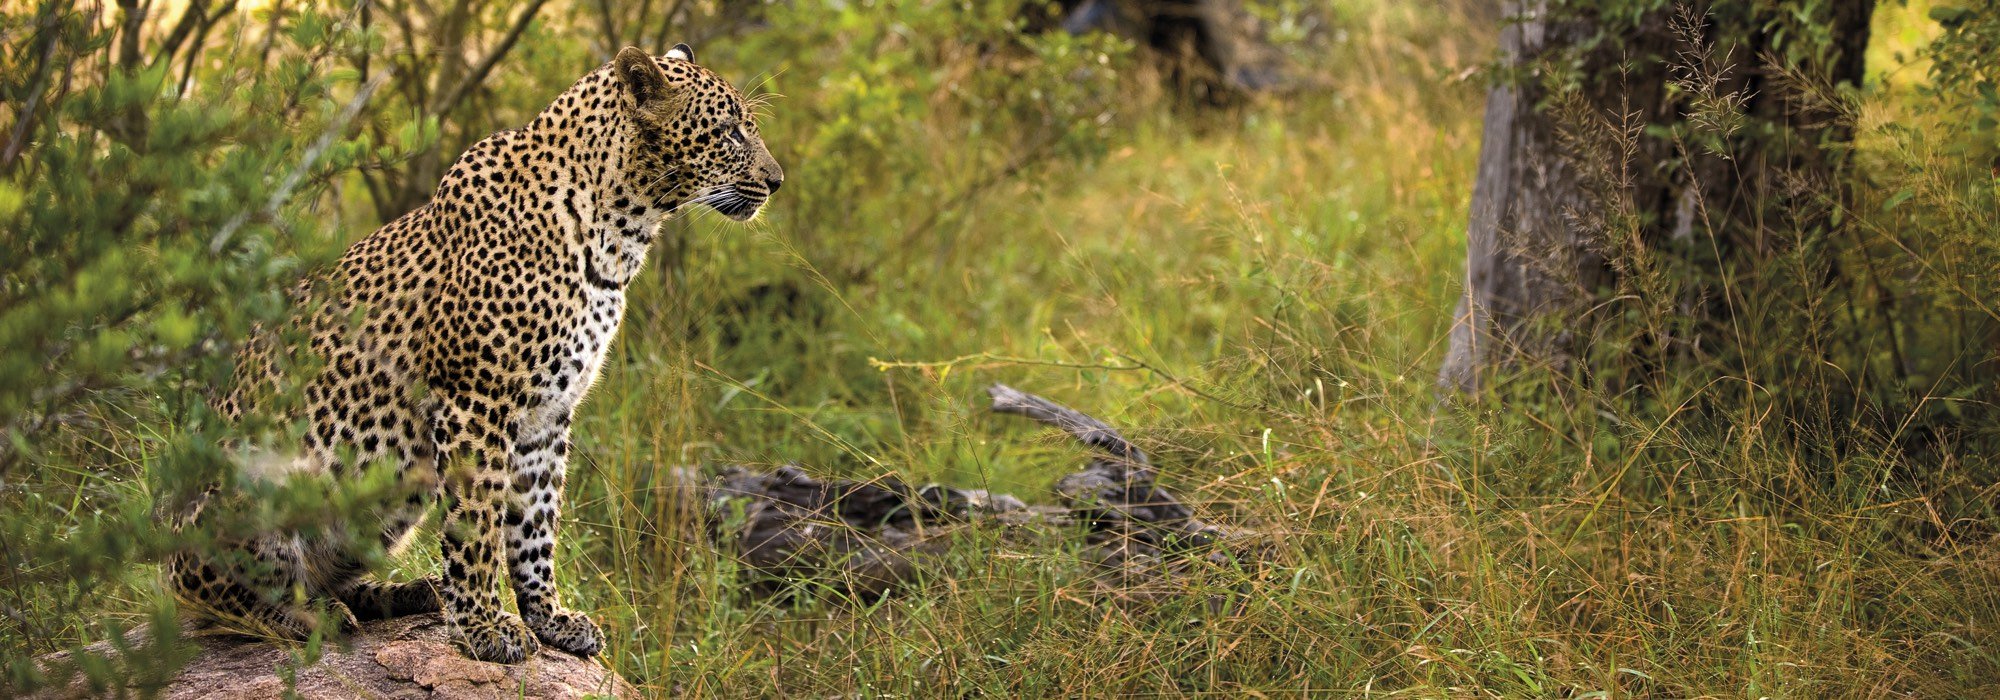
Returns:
(1578, 184)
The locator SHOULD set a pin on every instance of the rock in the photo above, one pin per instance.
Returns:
(410, 657)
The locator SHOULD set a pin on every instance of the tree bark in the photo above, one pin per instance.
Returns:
(1525, 262)
(1567, 197)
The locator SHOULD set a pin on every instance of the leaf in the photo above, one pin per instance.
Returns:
(1897, 200)
(11, 200)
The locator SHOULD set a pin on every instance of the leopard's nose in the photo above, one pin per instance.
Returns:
(773, 183)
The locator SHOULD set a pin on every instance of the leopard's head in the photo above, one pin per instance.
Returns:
(696, 137)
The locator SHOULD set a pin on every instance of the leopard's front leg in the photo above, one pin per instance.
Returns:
(474, 443)
(540, 462)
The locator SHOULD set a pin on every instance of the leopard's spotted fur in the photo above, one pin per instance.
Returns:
(464, 334)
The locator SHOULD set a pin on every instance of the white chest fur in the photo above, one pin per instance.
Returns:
(590, 341)
(583, 344)
(607, 260)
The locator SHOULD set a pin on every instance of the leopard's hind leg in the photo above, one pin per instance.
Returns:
(213, 594)
(374, 599)
(248, 599)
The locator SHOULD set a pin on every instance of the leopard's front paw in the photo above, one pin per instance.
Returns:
(504, 639)
(570, 631)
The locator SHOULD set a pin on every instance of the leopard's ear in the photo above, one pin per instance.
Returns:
(682, 52)
(640, 75)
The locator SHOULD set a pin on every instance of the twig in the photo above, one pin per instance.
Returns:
(208, 22)
(298, 173)
(450, 99)
(989, 359)
(609, 26)
(196, 12)
(24, 122)
(1189, 388)
(1131, 365)
(666, 23)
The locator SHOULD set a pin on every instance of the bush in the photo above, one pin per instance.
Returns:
(156, 208)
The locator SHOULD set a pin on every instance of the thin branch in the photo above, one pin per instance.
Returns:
(645, 13)
(609, 26)
(448, 43)
(196, 13)
(298, 173)
(415, 92)
(128, 39)
(271, 32)
(200, 38)
(666, 24)
(363, 19)
(449, 100)
(17, 140)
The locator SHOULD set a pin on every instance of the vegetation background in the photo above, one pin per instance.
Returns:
(1260, 290)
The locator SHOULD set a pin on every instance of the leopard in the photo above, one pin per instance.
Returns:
(455, 347)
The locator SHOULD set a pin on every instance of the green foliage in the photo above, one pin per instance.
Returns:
(153, 217)
(1965, 74)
